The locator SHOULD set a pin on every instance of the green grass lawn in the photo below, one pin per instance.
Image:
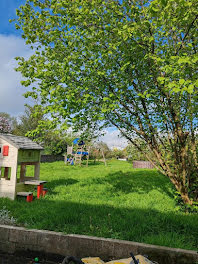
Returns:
(114, 202)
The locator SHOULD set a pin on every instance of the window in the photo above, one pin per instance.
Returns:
(5, 150)
(5, 173)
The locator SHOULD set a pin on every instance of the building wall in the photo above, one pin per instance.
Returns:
(7, 187)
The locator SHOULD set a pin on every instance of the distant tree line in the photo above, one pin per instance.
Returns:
(54, 141)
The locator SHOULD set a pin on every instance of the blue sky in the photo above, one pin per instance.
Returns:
(11, 46)
(8, 11)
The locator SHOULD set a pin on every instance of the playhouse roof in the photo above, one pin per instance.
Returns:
(20, 142)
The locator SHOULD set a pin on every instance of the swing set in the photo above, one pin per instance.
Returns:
(79, 151)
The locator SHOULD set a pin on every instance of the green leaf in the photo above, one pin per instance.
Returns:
(181, 81)
(191, 88)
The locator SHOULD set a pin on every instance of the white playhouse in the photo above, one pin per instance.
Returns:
(15, 154)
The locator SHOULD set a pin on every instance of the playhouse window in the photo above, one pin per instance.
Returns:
(5, 150)
(5, 173)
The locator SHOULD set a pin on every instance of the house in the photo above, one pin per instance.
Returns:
(16, 153)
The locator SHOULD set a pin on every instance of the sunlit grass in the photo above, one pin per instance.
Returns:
(115, 201)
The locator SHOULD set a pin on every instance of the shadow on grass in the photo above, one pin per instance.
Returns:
(94, 163)
(84, 164)
(64, 182)
(60, 182)
(139, 181)
(142, 225)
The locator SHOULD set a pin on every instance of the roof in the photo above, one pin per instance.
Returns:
(20, 142)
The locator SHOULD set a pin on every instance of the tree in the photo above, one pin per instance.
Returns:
(99, 150)
(130, 64)
(29, 121)
(56, 142)
(10, 120)
(119, 153)
(135, 154)
(35, 125)
(4, 125)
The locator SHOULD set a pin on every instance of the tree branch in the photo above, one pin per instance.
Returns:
(187, 32)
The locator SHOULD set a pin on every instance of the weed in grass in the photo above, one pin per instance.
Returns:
(6, 218)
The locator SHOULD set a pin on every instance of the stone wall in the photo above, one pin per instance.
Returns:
(16, 240)
(51, 158)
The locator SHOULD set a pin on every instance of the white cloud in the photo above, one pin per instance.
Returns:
(113, 139)
(11, 91)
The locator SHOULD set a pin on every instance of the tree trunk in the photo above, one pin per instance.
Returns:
(185, 195)
(179, 175)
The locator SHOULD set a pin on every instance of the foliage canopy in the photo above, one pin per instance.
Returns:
(130, 63)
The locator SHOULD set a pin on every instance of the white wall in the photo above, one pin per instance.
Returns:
(7, 187)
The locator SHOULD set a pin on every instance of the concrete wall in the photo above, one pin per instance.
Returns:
(17, 240)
